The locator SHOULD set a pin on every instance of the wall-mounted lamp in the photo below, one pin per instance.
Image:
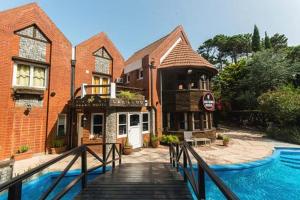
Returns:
(83, 120)
(190, 71)
(27, 109)
(146, 102)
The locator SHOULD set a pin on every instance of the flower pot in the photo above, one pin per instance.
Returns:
(155, 144)
(22, 156)
(57, 150)
(127, 150)
(225, 142)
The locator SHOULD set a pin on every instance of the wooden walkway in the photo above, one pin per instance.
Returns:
(138, 181)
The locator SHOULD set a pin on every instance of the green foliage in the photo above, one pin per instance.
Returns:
(287, 134)
(127, 143)
(283, 104)
(267, 41)
(226, 138)
(154, 138)
(278, 41)
(255, 39)
(23, 149)
(58, 143)
(127, 95)
(168, 139)
(220, 137)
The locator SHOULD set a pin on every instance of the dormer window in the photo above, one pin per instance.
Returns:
(103, 61)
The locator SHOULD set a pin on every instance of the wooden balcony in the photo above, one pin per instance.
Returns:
(183, 100)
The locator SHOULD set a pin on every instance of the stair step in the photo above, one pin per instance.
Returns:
(296, 158)
(291, 161)
(292, 166)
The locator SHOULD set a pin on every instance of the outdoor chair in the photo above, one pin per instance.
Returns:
(188, 137)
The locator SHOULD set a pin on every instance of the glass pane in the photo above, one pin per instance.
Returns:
(197, 125)
(145, 126)
(39, 77)
(23, 75)
(196, 116)
(181, 125)
(98, 130)
(122, 119)
(61, 119)
(96, 81)
(134, 120)
(122, 129)
(61, 130)
(98, 119)
(105, 89)
(145, 117)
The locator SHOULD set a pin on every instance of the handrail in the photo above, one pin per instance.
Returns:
(198, 183)
(14, 186)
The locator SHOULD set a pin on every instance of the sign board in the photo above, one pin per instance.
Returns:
(208, 101)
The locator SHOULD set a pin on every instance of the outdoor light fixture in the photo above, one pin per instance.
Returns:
(83, 120)
(190, 71)
(27, 108)
(146, 102)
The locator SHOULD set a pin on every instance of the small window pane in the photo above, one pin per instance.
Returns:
(23, 75)
(134, 120)
(39, 77)
(61, 125)
(98, 119)
(122, 119)
(98, 130)
(145, 126)
(122, 129)
(145, 117)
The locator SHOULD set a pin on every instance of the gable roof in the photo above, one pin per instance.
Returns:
(151, 48)
(183, 55)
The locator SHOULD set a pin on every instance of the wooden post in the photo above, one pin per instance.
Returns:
(113, 155)
(104, 157)
(177, 154)
(15, 191)
(170, 152)
(120, 156)
(201, 182)
(83, 167)
(184, 164)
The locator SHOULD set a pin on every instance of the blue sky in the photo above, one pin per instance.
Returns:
(132, 24)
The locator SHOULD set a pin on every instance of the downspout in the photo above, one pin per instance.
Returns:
(48, 98)
(71, 109)
(151, 97)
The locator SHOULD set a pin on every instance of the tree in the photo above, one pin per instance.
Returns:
(278, 41)
(267, 41)
(255, 40)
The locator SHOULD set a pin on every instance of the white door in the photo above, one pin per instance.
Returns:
(79, 127)
(135, 133)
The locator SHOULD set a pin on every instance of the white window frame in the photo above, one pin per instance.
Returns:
(92, 123)
(32, 66)
(141, 77)
(206, 124)
(65, 125)
(127, 123)
(148, 130)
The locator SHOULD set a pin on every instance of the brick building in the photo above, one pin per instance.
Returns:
(89, 94)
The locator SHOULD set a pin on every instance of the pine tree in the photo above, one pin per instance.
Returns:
(267, 41)
(255, 40)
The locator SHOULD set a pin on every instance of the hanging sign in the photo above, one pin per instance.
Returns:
(208, 101)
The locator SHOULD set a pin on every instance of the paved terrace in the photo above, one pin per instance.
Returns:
(245, 146)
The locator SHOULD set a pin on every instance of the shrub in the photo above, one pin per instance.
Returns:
(23, 149)
(154, 138)
(127, 95)
(226, 138)
(287, 134)
(58, 143)
(168, 139)
(220, 137)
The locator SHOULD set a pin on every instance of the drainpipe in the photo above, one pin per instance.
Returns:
(48, 97)
(154, 128)
(71, 109)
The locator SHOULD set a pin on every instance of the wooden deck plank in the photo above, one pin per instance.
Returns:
(138, 181)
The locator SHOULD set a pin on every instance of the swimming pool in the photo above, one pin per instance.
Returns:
(276, 178)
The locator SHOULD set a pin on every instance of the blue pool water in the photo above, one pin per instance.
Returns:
(276, 178)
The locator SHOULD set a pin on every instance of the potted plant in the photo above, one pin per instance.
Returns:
(58, 146)
(145, 143)
(127, 150)
(22, 153)
(168, 139)
(226, 140)
(154, 141)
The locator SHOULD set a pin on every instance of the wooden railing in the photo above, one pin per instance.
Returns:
(14, 186)
(180, 158)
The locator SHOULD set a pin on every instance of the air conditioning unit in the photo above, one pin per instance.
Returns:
(119, 80)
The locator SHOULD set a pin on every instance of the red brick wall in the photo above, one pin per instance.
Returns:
(16, 128)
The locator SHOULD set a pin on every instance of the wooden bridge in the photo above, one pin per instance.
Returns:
(130, 181)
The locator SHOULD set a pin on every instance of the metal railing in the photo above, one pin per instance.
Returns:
(182, 152)
(14, 186)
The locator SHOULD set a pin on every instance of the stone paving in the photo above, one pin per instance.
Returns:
(244, 146)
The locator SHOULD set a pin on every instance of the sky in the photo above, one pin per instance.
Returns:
(132, 24)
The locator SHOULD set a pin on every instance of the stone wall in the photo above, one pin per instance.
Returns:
(111, 125)
(32, 49)
(6, 170)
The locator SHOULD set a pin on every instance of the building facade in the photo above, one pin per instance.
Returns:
(88, 94)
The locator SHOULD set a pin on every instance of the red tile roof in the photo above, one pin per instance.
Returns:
(183, 55)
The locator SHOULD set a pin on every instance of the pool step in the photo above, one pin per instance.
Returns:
(292, 166)
(294, 162)
(295, 158)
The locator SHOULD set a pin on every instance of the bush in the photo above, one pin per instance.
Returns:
(154, 138)
(127, 95)
(220, 137)
(288, 134)
(226, 138)
(168, 139)
(58, 143)
(23, 149)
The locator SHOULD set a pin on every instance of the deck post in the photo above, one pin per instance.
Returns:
(120, 156)
(113, 156)
(184, 164)
(83, 167)
(177, 154)
(104, 157)
(15, 191)
(201, 182)
(170, 151)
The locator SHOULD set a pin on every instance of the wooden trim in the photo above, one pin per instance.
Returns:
(101, 74)
(30, 61)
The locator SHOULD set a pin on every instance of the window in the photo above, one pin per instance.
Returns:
(207, 120)
(61, 125)
(134, 120)
(171, 121)
(98, 80)
(145, 117)
(29, 76)
(141, 74)
(97, 124)
(182, 120)
(122, 127)
(197, 120)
